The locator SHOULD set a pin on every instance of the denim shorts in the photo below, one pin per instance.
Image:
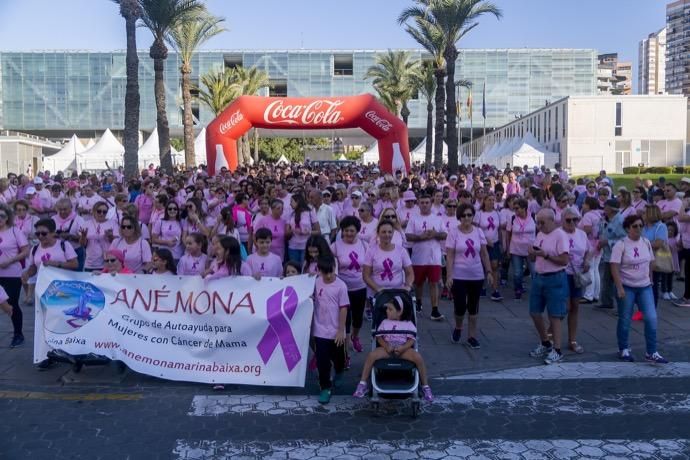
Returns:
(574, 292)
(549, 292)
(494, 251)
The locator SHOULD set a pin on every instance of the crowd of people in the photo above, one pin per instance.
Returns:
(476, 233)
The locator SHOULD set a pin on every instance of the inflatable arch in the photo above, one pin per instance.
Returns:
(362, 111)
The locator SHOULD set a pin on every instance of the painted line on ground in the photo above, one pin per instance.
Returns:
(373, 449)
(612, 404)
(70, 396)
(595, 370)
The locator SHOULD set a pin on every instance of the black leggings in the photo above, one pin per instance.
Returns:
(355, 314)
(328, 352)
(13, 287)
(466, 296)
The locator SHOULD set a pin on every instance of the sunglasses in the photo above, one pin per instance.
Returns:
(39, 234)
(572, 220)
(362, 210)
(126, 227)
(451, 206)
(110, 261)
(391, 216)
(173, 209)
(101, 211)
(467, 214)
(636, 226)
(355, 197)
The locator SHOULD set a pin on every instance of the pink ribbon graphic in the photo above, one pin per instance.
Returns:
(470, 249)
(262, 267)
(572, 244)
(491, 226)
(98, 230)
(636, 252)
(354, 261)
(387, 270)
(281, 304)
(424, 225)
(45, 257)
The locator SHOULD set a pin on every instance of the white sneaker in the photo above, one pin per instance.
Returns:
(665, 296)
(672, 296)
(553, 357)
(540, 351)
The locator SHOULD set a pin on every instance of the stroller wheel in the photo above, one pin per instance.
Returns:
(416, 409)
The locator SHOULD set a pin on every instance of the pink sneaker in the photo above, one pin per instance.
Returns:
(428, 395)
(357, 345)
(361, 390)
(312, 363)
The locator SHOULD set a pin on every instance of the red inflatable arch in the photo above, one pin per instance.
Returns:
(362, 111)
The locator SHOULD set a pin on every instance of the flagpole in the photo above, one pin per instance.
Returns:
(469, 108)
(484, 110)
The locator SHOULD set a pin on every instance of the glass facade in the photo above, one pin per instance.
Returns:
(73, 90)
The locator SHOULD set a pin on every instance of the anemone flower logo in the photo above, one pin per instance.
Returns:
(69, 305)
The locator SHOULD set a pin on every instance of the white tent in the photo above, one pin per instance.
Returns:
(200, 148)
(90, 144)
(283, 159)
(371, 155)
(419, 153)
(107, 149)
(515, 151)
(149, 152)
(66, 158)
(342, 157)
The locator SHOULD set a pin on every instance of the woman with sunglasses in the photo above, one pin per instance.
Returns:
(399, 238)
(144, 202)
(351, 206)
(276, 224)
(167, 232)
(135, 248)
(591, 217)
(579, 262)
(468, 265)
(368, 222)
(632, 259)
(114, 263)
(194, 218)
(489, 221)
(14, 248)
(387, 265)
(68, 224)
(95, 235)
(50, 251)
(639, 199)
(521, 234)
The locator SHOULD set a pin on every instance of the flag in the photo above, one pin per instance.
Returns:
(484, 101)
(469, 103)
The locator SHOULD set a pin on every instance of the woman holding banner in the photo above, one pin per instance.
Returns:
(13, 249)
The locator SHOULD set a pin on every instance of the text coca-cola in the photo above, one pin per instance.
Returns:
(378, 120)
(235, 118)
(319, 112)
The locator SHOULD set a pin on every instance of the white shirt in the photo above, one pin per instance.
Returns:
(326, 218)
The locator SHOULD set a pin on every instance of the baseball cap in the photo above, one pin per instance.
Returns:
(453, 177)
(357, 193)
(612, 203)
(38, 180)
(686, 180)
(107, 188)
(30, 190)
(376, 170)
(409, 196)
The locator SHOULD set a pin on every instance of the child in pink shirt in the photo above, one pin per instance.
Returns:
(193, 262)
(263, 262)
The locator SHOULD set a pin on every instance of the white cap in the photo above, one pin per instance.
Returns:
(30, 190)
(38, 180)
(376, 170)
(453, 177)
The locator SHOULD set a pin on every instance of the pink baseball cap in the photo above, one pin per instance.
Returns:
(409, 196)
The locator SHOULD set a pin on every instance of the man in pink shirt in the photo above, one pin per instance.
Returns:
(549, 288)
(670, 206)
(425, 231)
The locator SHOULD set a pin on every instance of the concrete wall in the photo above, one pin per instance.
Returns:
(18, 157)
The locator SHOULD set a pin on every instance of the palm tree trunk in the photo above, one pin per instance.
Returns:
(162, 116)
(132, 98)
(451, 54)
(405, 113)
(256, 146)
(187, 121)
(440, 117)
(429, 132)
(246, 153)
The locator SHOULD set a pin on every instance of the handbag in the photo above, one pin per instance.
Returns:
(663, 260)
(581, 279)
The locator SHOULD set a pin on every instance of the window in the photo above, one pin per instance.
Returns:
(619, 117)
(342, 65)
(555, 129)
(549, 125)
(232, 61)
(278, 88)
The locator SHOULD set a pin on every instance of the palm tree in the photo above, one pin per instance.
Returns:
(131, 11)
(455, 19)
(219, 90)
(185, 37)
(249, 81)
(433, 40)
(391, 75)
(160, 16)
(425, 82)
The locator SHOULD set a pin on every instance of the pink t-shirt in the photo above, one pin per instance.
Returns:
(96, 241)
(397, 340)
(489, 222)
(136, 254)
(578, 245)
(300, 234)
(426, 252)
(522, 234)
(368, 231)
(11, 240)
(190, 265)
(54, 253)
(277, 228)
(405, 214)
(69, 226)
(86, 203)
(591, 219)
(269, 265)
(26, 225)
(145, 205)
(329, 298)
(170, 230)
(350, 259)
(553, 244)
(467, 263)
(674, 205)
(448, 222)
(387, 267)
(634, 258)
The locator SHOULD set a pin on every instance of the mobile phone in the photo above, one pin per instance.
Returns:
(536, 248)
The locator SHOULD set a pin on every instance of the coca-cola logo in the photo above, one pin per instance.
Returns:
(378, 120)
(235, 118)
(319, 112)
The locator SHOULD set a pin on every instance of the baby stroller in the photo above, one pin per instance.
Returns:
(394, 378)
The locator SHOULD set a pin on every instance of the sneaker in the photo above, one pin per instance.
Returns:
(585, 300)
(361, 390)
(683, 302)
(626, 356)
(45, 364)
(455, 337)
(16, 341)
(337, 379)
(418, 307)
(540, 351)
(473, 343)
(672, 296)
(312, 363)
(553, 357)
(665, 296)
(655, 358)
(357, 345)
(325, 396)
(496, 296)
(436, 315)
(428, 395)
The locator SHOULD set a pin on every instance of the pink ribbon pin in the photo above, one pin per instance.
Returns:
(387, 270)
(470, 249)
(45, 257)
(280, 305)
(354, 261)
(636, 252)
(491, 226)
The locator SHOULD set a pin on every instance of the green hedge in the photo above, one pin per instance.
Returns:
(632, 170)
(659, 170)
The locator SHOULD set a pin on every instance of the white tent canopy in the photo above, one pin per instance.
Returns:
(90, 144)
(107, 149)
(149, 152)
(199, 150)
(283, 159)
(515, 151)
(66, 158)
(371, 155)
(419, 153)
(342, 157)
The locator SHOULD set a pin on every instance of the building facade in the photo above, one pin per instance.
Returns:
(588, 134)
(677, 46)
(652, 64)
(613, 76)
(58, 93)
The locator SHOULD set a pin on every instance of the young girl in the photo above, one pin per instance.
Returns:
(228, 261)
(193, 262)
(317, 246)
(667, 278)
(163, 262)
(395, 345)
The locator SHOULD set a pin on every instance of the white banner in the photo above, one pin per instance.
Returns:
(233, 330)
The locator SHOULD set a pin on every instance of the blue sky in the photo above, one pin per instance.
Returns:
(606, 25)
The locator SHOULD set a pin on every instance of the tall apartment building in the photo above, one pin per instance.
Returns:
(652, 64)
(613, 76)
(678, 47)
